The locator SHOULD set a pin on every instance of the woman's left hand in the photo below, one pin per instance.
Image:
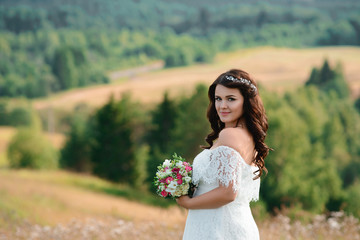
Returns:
(183, 201)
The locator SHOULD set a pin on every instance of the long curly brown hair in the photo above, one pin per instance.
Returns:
(254, 114)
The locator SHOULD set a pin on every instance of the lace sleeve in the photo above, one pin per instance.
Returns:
(227, 164)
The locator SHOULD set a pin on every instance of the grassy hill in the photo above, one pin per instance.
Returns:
(54, 198)
(278, 69)
(62, 205)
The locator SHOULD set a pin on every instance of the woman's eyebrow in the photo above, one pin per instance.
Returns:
(227, 96)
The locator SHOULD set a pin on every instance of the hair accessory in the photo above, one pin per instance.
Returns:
(241, 80)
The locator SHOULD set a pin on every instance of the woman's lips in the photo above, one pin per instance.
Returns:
(224, 113)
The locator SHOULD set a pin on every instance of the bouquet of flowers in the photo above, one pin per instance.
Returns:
(173, 178)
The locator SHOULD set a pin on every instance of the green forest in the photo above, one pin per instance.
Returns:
(49, 46)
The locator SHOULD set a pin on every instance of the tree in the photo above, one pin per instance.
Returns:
(191, 125)
(75, 155)
(64, 68)
(162, 124)
(20, 116)
(355, 23)
(30, 149)
(159, 136)
(327, 80)
(114, 152)
(299, 175)
(204, 20)
(352, 201)
(357, 104)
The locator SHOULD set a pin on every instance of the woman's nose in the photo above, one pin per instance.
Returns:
(223, 104)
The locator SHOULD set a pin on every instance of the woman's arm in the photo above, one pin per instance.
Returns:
(213, 199)
(221, 195)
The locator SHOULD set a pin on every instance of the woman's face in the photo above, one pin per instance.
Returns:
(229, 104)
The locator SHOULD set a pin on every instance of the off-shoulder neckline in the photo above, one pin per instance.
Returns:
(212, 149)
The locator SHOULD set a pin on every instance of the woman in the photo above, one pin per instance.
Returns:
(228, 171)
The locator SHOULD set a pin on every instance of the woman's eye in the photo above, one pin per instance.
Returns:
(231, 99)
(217, 99)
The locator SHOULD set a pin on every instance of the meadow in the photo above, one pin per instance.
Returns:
(63, 205)
(278, 69)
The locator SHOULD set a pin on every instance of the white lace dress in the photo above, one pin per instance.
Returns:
(234, 220)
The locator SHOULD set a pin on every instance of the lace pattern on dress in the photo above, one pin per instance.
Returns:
(224, 165)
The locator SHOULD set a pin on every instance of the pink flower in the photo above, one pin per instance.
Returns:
(180, 181)
(178, 176)
(176, 170)
(188, 168)
(169, 179)
(185, 163)
(164, 193)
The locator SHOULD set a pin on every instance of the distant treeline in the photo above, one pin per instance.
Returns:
(315, 165)
(331, 19)
(50, 46)
(36, 64)
(290, 23)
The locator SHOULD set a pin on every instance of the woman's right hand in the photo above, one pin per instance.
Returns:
(183, 201)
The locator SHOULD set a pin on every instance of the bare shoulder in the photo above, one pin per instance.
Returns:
(239, 139)
(234, 137)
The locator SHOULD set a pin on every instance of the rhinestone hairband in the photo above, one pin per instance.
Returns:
(241, 80)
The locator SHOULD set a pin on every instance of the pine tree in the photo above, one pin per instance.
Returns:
(75, 155)
(159, 135)
(357, 104)
(191, 126)
(64, 68)
(113, 153)
(163, 123)
(329, 80)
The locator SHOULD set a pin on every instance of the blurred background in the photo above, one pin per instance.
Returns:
(94, 95)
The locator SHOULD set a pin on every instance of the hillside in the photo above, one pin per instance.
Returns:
(61, 205)
(278, 69)
(54, 198)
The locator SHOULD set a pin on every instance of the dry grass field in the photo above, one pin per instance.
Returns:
(52, 205)
(278, 69)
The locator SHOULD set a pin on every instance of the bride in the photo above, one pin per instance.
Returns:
(228, 170)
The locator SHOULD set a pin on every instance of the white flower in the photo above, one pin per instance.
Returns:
(168, 171)
(183, 172)
(167, 163)
(161, 175)
(179, 164)
(185, 189)
(172, 187)
(187, 179)
(178, 192)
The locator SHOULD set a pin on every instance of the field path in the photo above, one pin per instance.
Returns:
(278, 69)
